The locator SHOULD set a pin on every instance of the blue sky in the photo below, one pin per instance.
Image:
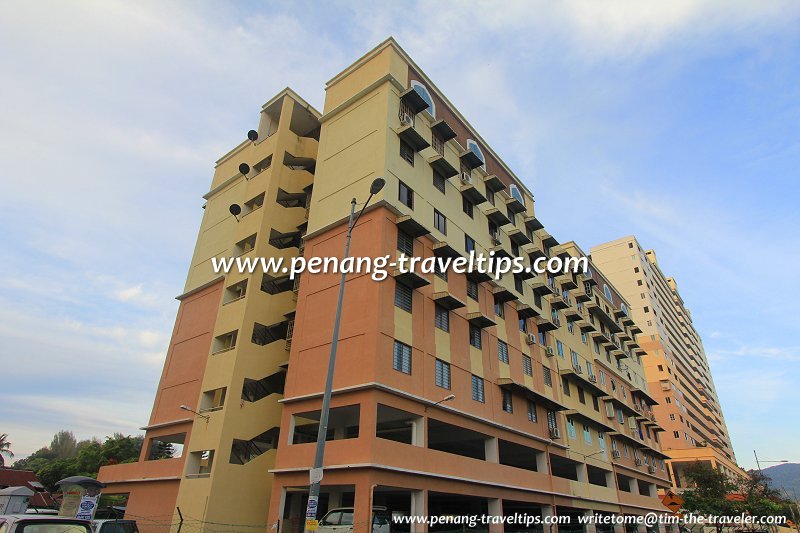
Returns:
(674, 121)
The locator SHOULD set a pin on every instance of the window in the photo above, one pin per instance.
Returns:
(502, 351)
(548, 378)
(475, 336)
(527, 365)
(511, 215)
(570, 326)
(531, 411)
(565, 386)
(407, 153)
(607, 292)
(406, 195)
(402, 296)
(490, 196)
(672, 417)
(405, 243)
(551, 419)
(402, 357)
(442, 318)
(439, 222)
(584, 338)
(639, 282)
(602, 377)
(523, 325)
(587, 434)
(601, 440)
(439, 271)
(571, 428)
(468, 206)
(477, 389)
(676, 434)
(507, 406)
(442, 374)
(439, 181)
(560, 349)
(499, 309)
(469, 244)
(492, 230)
(581, 396)
(595, 403)
(518, 284)
(472, 289)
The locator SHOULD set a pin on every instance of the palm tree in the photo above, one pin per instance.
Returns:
(5, 449)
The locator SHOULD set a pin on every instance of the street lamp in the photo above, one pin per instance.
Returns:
(315, 475)
(758, 464)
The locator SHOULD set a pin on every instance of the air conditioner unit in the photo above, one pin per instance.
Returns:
(550, 351)
(652, 469)
(638, 462)
(555, 433)
(592, 378)
(406, 119)
(466, 177)
(530, 338)
(615, 454)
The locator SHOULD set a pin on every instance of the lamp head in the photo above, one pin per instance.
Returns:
(185, 407)
(377, 185)
(449, 398)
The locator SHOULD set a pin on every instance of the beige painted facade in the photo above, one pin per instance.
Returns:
(676, 364)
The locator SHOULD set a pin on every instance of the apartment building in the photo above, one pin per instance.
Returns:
(676, 365)
(229, 351)
(453, 394)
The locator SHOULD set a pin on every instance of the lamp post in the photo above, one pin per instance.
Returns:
(758, 464)
(315, 475)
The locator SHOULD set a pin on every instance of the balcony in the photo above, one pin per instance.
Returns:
(545, 323)
(518, 237)
(447, 300)
(478, 276)
(557, 301)
(410, 99)
(469, 159)
(541, 286)
(291, 199)
(444, 249)
(285, 240)
(468, 191)
(480, 320)
(498, 249)
(442, 130)
(493, 183)
(502, 295)
(411, 279)
(522, 389)
(440, 164)
(497, 216)
(410, 226)
(410, 135)
(515, 205)
(537, 253)
(532, 223)
(526, 311)
(573, 314)
(547, 239)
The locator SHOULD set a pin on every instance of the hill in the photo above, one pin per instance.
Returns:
(785, 476)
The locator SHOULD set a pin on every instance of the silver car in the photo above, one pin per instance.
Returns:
(340, 520)
(31, 523)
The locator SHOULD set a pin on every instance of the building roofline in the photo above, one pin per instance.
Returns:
(390, 42)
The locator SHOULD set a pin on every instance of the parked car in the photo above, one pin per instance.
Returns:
(340, 520)
(31, 523)
(112, 525)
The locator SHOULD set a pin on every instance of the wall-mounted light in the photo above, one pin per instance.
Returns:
(187, 408)
(235, 209)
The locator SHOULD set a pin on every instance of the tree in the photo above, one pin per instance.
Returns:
(708, 493)
(5, 449)
(64, 444)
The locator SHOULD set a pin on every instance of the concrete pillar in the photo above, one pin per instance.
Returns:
(362, 514)
(582, 472)
(619, 528)
(541, 463)
(419, 507)
(492, 450)
(549, 510)
(590, 526)
(418, 432)
(495, 509)
(611, 481)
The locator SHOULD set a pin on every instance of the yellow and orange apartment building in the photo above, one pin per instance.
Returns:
(551, 413)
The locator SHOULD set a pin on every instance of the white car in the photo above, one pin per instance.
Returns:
(31, 523)
(340, 520)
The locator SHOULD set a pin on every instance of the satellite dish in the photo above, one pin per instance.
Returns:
(235, 209)
(244, 168)
(252, 135)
